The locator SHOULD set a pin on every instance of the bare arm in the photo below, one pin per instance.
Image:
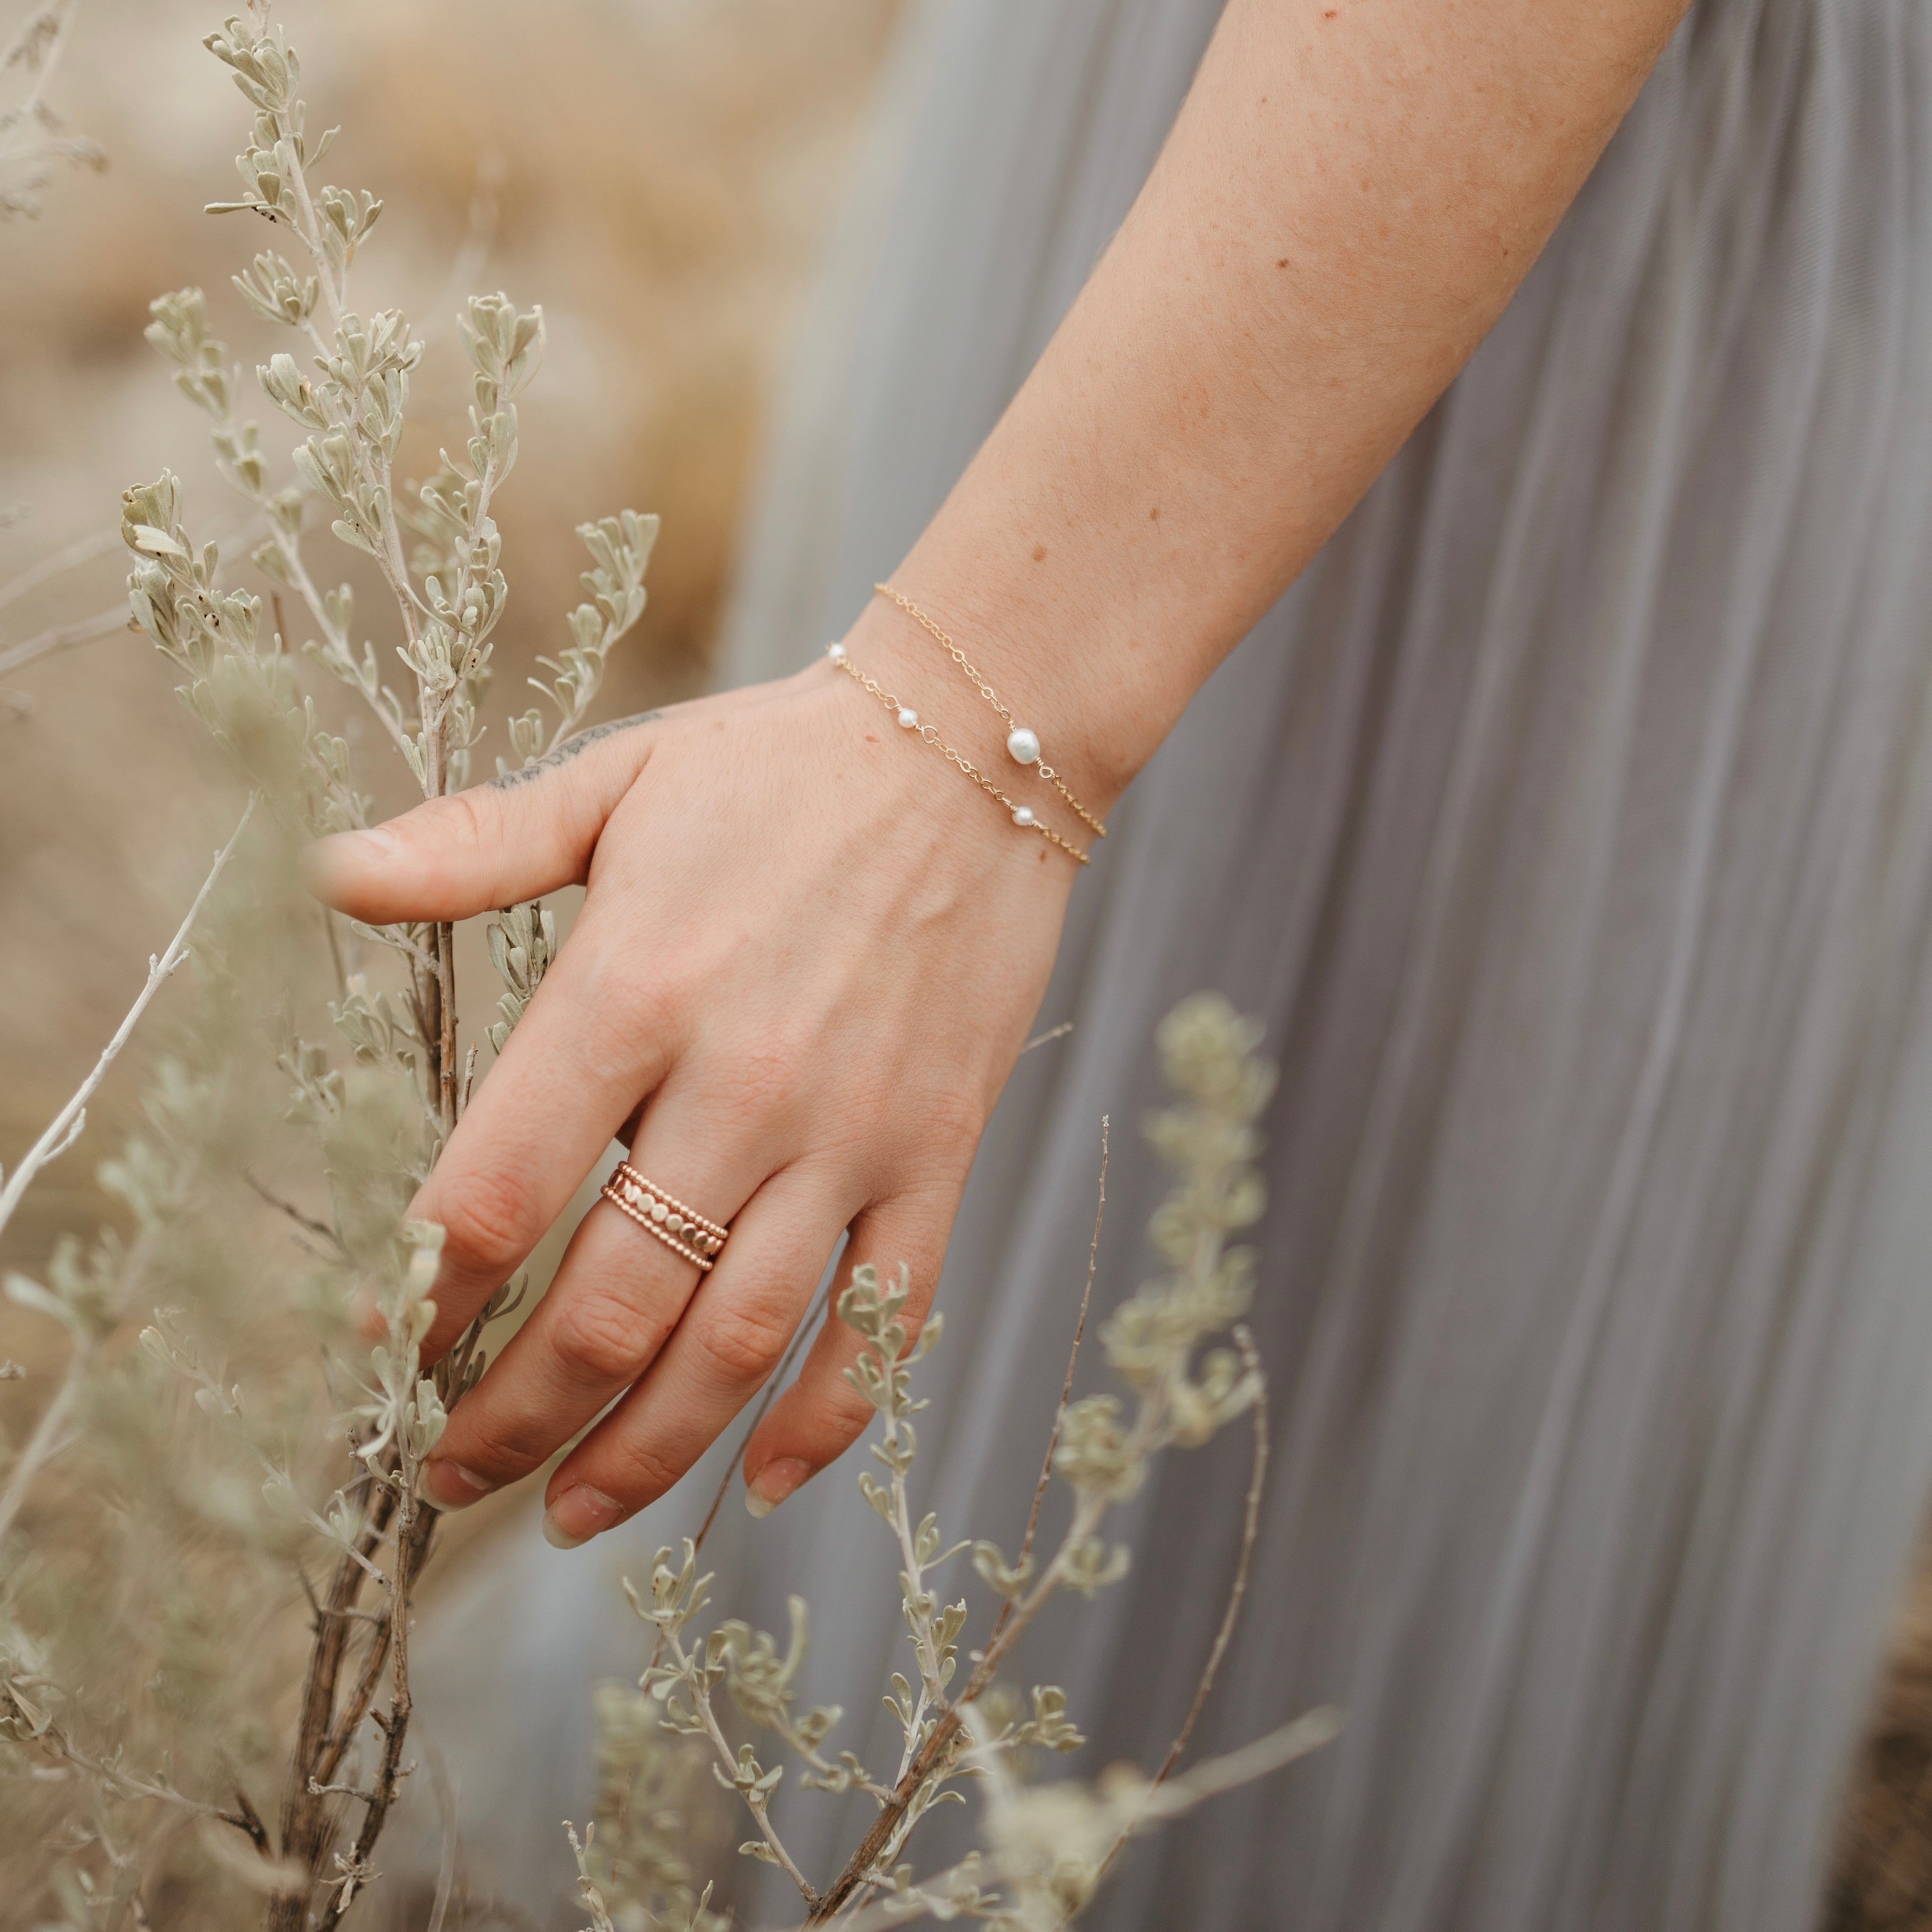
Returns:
(1348, 200)
(808, 954)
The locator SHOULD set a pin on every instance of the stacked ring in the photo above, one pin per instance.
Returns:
(682, 1229)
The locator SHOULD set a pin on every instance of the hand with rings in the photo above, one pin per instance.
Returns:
(803, 967)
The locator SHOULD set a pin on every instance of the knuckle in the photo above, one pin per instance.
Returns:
(503, 1446)
(957, 1117)
(643, 1470)
(640, 1010)
(842, 1412)
(599, 1337)
(463, 822)
(766, 1071)
(743, 1337)
(488, 1219)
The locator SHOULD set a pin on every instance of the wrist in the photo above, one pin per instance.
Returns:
(992, 687)
(965, 788)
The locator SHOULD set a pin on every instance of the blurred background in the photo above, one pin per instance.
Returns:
(660, 175)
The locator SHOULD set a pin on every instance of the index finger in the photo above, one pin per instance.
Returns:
(589, 1048)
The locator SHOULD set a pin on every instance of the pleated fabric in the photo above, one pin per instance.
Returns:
(1569, 824)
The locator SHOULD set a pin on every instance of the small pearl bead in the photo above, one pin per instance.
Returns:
(836, 653)
(1023, 744)
(1023, 815)
(908, 718)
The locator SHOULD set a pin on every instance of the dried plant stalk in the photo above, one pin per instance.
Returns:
(1045, 1849)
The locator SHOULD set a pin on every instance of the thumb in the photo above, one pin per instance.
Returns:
(516, 838)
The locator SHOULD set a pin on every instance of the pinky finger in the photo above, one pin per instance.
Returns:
(821, 1414)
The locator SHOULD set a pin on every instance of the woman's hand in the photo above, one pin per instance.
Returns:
(807, 960)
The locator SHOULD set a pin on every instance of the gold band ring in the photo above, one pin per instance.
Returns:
(682, 1229)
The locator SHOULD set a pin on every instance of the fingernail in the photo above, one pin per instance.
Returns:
(774, 1482)
(577, 1515)
(451, 1487)
(320, 861)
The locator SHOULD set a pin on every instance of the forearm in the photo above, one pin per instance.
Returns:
(1350, 196)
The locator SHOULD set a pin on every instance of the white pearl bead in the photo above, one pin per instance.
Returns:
(659, 1212)
(836, 653)
(1022, 815)
(1023, 744)
(908, 718)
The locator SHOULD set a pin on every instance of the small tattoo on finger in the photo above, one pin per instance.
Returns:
(568, 749)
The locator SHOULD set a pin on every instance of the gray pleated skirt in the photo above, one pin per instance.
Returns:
(1570, 823)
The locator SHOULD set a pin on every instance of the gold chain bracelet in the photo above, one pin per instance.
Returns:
(908, 720)
(1022, 743)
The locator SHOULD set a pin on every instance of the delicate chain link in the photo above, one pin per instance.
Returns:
(986, 692)
(930, 734)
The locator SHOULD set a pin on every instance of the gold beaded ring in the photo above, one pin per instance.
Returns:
(1022, 742)
(908, 720)
(682, 1229)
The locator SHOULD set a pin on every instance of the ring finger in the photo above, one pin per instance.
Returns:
(728, 1341)
(617, 1295)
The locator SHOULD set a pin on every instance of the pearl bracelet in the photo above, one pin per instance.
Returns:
(1022, 744)
(908, 720)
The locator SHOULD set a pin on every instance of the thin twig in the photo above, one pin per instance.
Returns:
(756, 1803)
(296, 1215)
(66, 1125)
(445, 1808)
(103, 623)
(33, 114)
(1238, 1590)
(307, 1831)
(939, 1738)
(416, 1525)
(45, 1444)
(55, 1741)
(1066, 1384)
(446, 975)
(1059, 1032)
(1273, 1751)
(60, 637)
(773, 1387)
(335, 950)
(771, 1394)
(82, 550)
